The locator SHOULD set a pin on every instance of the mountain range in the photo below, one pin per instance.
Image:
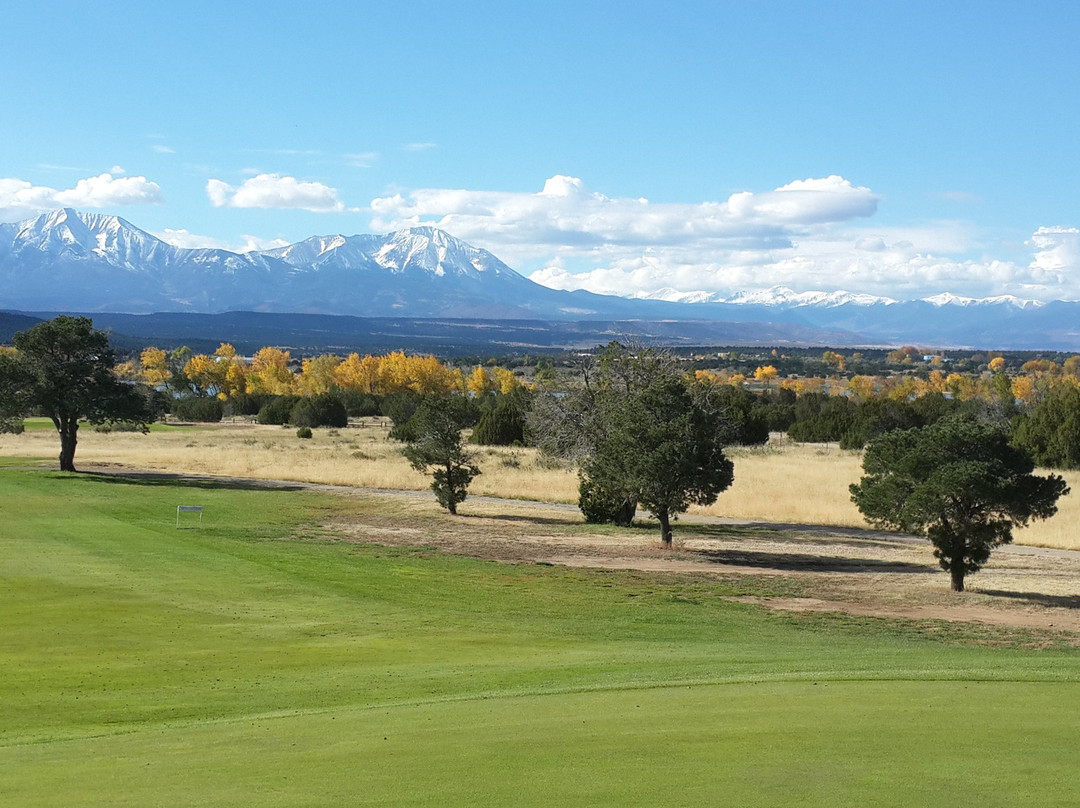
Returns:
(71, 261)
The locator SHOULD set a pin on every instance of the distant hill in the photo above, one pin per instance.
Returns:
(318, 333)
(11, 323)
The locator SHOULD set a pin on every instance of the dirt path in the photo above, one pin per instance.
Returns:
(834, 569)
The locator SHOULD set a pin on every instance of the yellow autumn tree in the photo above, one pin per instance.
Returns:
(235, 380)
(358, 374)
(936, 382)
(125, 371)
(155, 366)
(480, 382)
(905, 389)
(997, 364)
(270, 372)
(234, 371)
(1023, 389)
(861, 387)
(394, 373)
(765, 374)
(505, 381)
(429, 375)
(317, 375)
(205, 373)
(833, 359)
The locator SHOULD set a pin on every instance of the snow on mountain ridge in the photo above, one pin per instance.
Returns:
(784, 297)
(419, 252)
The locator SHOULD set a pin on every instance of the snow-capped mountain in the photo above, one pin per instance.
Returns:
(783, 297)
(72, 261)
(80, 262)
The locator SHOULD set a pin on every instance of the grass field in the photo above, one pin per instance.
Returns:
(266, 660)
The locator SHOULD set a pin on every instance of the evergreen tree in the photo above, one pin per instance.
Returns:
(959, 483)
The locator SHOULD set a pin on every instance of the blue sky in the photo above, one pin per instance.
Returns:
(893, 148)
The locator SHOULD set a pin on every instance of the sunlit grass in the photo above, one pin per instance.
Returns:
(267, 660)
(785, 482)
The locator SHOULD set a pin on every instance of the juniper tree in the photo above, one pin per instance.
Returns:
(435, 442)
(62, 368)
(959, 483)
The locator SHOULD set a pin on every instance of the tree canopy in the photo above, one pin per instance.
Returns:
(62, 368)
(674, 451)
(641, 433)
(959, 483)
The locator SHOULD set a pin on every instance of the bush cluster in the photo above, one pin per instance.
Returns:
(198, 408)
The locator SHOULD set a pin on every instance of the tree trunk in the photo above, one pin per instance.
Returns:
(957, 573)
(625, 516)
(69, 430)
(665, 529)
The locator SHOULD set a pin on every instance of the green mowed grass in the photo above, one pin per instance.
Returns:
(39, 424)
(258, 661)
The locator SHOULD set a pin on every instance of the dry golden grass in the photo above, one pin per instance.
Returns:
(790, 482)
(806, 484)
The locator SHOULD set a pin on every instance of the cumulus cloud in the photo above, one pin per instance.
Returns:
(188, 240)
(566, 213)
(808, 234)
(275, 191)
(19, 198)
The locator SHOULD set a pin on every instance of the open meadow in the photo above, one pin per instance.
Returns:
(783, 482)
(307, 648)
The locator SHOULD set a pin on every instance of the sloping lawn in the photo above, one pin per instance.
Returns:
(260, 661)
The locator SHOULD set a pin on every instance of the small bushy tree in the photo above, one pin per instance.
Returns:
(959, 483)
(436, 444)
(503, 423)
(1051, 432)
(677, 452)
(62, 368)
(277, 410)
(323, 409)
(198, 408)
(642, 433)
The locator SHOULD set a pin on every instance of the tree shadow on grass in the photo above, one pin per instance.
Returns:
(525, 520)
(807, 562)
(795, 536)
(1060, 601)
(164, 480)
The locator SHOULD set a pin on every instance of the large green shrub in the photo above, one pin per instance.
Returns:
(198, 408)
(277, 410)
(324, 409)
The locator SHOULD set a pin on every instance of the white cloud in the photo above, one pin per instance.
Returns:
(566, 214)
(189, 240)
(416, 147)
(118, 170)
(275, 191)
(20, 199)
(362, 159)
(161, 148)
(808, 234)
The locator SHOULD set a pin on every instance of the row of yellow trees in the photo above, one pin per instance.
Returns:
(271, 370)
(1028, 387)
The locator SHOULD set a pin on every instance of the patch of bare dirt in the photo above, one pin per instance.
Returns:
(954, 613)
